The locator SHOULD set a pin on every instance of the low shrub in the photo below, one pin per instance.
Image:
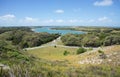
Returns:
(81, 50)
(66, 53)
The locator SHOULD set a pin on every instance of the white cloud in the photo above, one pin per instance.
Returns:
(49, 21)
(7, 17)
(73, 21)
(59, 21)
(10, 19)
(104, 19)
(59, 11)
(76, 21)
(30, 20)
(103, 3)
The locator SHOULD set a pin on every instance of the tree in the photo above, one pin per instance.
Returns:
(91, 41)
(71, 40)
(2, 43)
(111, 40)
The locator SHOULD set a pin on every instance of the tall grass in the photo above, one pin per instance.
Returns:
(51, 71)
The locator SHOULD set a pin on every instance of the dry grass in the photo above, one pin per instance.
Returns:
(52, 53)
(56, 54)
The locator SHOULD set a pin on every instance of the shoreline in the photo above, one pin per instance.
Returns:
(60, 31)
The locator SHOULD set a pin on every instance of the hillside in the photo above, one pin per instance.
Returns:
(25, 53)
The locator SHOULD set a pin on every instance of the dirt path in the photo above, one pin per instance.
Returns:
(55, 43)
(52, 43)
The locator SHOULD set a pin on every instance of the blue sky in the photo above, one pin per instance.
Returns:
(60, 12)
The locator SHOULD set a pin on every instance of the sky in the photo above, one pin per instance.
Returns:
(60, 13)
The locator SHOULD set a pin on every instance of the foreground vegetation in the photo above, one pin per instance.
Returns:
(66, 66)
(48, 71)
(58, 60)
(13, 40)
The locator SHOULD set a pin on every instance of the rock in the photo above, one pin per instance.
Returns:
(109, 60)
(4, 67)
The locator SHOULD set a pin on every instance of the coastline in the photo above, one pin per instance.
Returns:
(62, 31)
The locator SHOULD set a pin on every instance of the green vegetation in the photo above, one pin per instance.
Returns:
(9, 54)
(100, 51)
(6, 29)
(13, 40)
(58, 60)
(111, 40)
(26, 39)
(51, 53)
(89, 29)
(95, 36)
(84, 71)
(66, 53)
(91, 39)
(59, 65)
(81, 50)
(71, 39)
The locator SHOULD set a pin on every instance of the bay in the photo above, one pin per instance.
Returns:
(49, 30)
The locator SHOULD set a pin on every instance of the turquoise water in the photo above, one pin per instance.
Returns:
(47, 29)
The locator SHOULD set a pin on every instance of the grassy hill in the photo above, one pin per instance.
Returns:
(51, 58)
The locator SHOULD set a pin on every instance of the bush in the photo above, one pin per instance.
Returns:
(111, 40)
(71, 40)
(100, 51)
(65, 53)
(91, 41)
(55, 46)
(81, 50)
(2, 43)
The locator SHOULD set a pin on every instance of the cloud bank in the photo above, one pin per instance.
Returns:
(103, 3)
(11, 19)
